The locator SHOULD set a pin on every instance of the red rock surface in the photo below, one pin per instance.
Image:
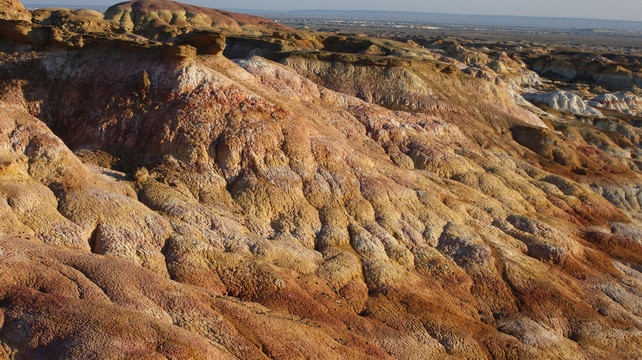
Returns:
(191, 206)
(144, 14)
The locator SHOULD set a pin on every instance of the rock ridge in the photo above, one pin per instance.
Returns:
(213, 186)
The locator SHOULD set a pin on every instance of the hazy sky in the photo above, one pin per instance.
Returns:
(600, 9)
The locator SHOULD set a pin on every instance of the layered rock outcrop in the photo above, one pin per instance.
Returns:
(158, 18)
(326, 205)
(616, 76)
(563, 101)
(624, 102)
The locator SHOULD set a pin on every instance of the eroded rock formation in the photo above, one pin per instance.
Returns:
(13, 10)
(624, 102)
(564, 101)
(161, 200)
(162, 18)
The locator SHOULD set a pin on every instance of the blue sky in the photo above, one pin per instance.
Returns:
(599, 9)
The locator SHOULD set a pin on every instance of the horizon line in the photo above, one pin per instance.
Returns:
(94, 7)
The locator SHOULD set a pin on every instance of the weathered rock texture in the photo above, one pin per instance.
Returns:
(158, 18)
(624, 102)
(13, 10)
(586, 67)
(161, 203)
(563, 101)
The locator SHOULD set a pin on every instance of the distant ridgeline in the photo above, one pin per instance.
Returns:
(435, 18)
(480, 20)
(32, 6)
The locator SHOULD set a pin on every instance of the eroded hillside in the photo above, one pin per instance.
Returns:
(172, 187)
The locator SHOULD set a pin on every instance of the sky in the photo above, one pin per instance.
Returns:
(596, 9)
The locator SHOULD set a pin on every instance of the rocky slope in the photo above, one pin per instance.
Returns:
(156, 18)
(624, 102)
(614, 73)
(13, 10)
(564, 101)
(163, 201)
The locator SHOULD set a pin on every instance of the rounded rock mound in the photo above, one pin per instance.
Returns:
(563, 101)
(154, 15)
